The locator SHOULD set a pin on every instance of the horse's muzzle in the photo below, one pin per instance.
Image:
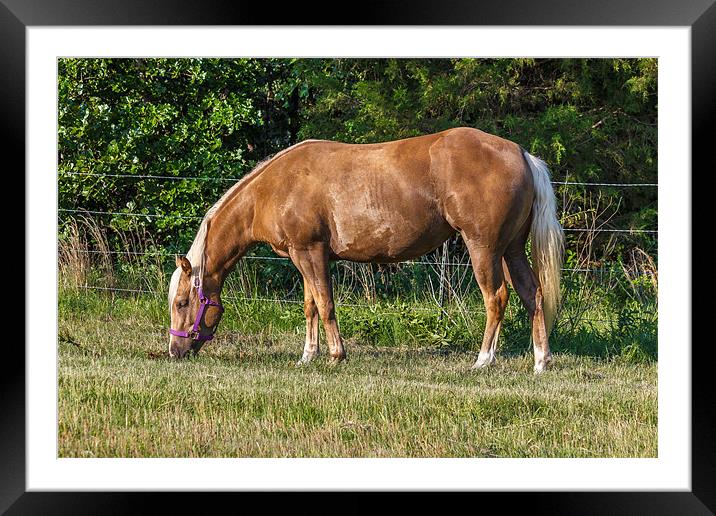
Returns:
(176, 350)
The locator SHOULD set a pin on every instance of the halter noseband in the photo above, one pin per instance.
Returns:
(203, 303)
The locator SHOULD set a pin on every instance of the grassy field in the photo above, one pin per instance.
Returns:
(242, 396)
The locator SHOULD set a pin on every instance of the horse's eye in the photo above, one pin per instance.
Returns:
(182, 303)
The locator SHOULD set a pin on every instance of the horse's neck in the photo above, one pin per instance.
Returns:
(229, 236)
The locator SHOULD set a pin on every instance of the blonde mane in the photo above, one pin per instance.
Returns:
(195, 255)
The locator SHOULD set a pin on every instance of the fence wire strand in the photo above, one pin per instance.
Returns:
(287, 260)
(186, 217)
(234, 179)
(435, 308)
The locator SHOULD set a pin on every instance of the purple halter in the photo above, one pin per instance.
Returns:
(203, 303)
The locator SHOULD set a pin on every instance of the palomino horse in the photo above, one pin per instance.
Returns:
(387, 202)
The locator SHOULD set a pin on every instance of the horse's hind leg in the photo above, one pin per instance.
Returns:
(311, 349)
(313, 264)
(527, 287)
(487, 267)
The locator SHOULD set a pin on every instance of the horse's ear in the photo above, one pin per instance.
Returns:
(181, 261)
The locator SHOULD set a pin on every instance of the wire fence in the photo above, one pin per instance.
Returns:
(413, 308)
(169, 256)
(234, 179)
(185, 217)
(269, 299)
(437, 307)
(442, 263)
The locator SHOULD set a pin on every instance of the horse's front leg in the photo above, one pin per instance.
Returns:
(313, 264)
(311, 349)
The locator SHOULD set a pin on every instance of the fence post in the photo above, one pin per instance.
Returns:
(443, 276)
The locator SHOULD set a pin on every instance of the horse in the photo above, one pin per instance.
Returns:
(321, 200)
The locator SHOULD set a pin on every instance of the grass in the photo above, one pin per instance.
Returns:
(408, 396)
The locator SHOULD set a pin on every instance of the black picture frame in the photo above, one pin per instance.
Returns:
(700, 16)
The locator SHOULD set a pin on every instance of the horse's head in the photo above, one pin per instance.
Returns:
(194, 312)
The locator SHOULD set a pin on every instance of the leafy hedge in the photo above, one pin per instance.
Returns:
(592, 120)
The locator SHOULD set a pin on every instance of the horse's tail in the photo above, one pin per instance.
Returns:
(547, 239)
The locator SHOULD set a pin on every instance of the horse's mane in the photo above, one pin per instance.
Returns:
(196, 254)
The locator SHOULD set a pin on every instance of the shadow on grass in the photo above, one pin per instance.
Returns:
(633, 341)
(632, 338)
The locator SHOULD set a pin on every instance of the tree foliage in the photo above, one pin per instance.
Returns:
(592, 120)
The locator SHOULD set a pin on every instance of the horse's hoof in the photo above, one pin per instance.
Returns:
(542, 365)
(484, 360)
(337, 360)
(305, 359)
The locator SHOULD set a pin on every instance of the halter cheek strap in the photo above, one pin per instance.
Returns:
(204, 301)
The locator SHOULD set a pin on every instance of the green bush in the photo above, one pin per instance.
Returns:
(592, 120)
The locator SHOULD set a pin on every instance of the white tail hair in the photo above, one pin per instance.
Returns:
(547, 239)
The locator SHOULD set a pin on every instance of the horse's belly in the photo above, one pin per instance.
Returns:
(381, 208)
(392, 240)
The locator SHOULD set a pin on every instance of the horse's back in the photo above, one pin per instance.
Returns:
(387, 201)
